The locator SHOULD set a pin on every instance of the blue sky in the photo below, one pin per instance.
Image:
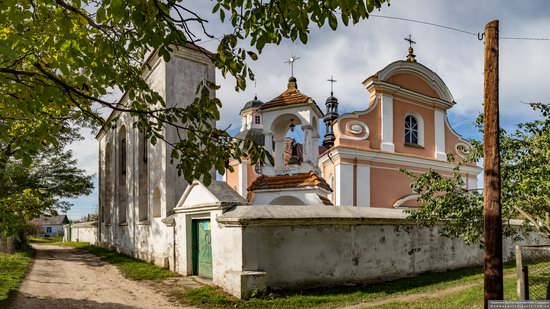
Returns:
(351, 54)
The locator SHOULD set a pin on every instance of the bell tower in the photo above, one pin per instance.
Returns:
(293, 179)
(284, 113)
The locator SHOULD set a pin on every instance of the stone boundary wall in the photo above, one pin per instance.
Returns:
(309, 246)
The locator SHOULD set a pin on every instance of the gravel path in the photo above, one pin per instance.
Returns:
(63, 277)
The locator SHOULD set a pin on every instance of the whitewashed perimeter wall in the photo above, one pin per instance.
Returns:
(82, 233)
(309, 246)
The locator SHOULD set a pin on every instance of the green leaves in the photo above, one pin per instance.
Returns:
(525, 184)
(29, 189)
(61, 61)
(269, 22)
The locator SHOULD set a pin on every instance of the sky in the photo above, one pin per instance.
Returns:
(352, 54)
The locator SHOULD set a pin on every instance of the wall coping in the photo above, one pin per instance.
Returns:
(317, 215)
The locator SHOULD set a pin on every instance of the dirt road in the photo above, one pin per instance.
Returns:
(68, 278)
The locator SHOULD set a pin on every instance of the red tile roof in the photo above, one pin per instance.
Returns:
(291, 96)
(325, 200)
(300, 180)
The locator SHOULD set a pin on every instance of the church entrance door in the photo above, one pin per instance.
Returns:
(201, 248)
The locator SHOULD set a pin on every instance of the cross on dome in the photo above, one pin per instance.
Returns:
(291, 61)
(332, 81)
(411, 57)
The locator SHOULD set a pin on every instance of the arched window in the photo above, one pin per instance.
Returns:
(143, 180)
(411, 130)
(122, 181)
(156, 203)
(108, 189)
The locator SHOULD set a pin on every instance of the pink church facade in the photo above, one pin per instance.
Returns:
(404, 126)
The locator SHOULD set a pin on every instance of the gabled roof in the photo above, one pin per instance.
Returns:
(300, 180)
(224, 193)
(419, 70)
(218, 193)
(50, 220)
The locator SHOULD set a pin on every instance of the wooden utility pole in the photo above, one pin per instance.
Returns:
(493, 284)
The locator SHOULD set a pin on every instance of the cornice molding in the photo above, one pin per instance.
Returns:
(394, 158)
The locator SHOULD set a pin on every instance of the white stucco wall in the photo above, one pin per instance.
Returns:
(55, 230)
(150, 239)
(310, 246)
(85, 232)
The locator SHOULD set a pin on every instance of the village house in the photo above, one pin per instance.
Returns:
(50, 226)
(320, 216)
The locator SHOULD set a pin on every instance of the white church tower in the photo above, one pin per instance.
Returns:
(294, 181)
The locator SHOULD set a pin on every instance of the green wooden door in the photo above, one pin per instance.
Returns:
(201, 248)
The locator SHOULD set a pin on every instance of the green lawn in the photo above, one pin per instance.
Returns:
(469, 298)
(131, 268)
(13, 268)
(209, 297)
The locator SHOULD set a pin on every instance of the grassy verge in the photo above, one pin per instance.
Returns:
(45, 240)
(131, 268)
(13, 268)
(468, 298)
(210, 297)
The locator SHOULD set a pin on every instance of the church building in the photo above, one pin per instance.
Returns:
(403, 125)
(251, 231)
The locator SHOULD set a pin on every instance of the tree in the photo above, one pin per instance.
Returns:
(27, 191)
(525, 185)
(60, 58)
(88, 218)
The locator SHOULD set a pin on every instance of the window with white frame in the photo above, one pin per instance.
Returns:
(257, 119)
(411, 130)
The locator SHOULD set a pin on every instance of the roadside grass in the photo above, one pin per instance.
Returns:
(45, 240)
(131, 268)
(469, 298)
(211, 297)
(13, 268)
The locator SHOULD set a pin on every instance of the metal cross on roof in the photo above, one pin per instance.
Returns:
(291, 62)
(409, 39)
(332, 81)
(411, 57)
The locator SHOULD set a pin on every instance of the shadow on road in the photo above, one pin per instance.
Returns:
(31, 302)
(69, 255)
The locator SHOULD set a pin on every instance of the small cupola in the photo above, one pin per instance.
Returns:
(252, 105)
(251, 116)
(330, 116)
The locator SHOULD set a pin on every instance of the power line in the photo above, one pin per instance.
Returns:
(479, 35)
(423, 22)
(417, 21)
(525, 39)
